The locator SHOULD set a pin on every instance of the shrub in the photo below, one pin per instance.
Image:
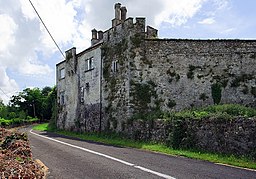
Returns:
(231, 109)
(5, 122)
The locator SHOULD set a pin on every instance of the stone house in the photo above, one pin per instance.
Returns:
(129, 71)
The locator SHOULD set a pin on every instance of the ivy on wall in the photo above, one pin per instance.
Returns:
(216, 92)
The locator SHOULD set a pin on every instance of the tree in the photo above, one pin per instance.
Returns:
(3, 110)
(34, 102)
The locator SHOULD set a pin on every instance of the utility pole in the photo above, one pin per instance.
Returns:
(34, 109)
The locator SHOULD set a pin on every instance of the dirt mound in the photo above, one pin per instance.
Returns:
(16, 157)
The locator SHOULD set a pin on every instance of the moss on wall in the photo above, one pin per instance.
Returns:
(143, 93)
(253, 91)
(216, 92)
(239, 79)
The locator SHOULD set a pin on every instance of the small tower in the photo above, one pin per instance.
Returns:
(117, 19)
(100, 35)
(123, 13)
(94, 39)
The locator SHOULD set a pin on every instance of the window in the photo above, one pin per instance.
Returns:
(87, 86)
(62, 73)
(82, 95)
(114, 66)
(62, 98)
(89, 64)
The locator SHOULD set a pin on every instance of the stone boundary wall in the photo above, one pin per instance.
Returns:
(236, 136)
(194, 73)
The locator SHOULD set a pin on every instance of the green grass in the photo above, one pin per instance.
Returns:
(41, 127)
(116, 140)
(17, 121)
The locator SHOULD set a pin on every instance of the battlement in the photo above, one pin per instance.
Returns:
(121, 26)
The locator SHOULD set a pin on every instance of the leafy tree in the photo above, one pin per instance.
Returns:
(3, 110)
(34, 102)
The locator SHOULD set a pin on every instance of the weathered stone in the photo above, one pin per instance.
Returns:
(204, 134)
(133, 73)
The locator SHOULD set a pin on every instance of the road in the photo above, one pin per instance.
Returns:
(71, 158)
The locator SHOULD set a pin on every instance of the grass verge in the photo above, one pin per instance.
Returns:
(116, 140)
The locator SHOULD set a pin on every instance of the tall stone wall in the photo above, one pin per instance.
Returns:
(172, 74)
(79, 108)
(227, 136)
(117, 56)
(67, 92)
(135, 73)
(181, 74)
(88, 107)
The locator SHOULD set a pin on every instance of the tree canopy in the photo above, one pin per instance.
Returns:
(34, 102)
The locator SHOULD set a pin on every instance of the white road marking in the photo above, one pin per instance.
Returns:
(107, 156)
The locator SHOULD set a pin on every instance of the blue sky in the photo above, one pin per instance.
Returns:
(28, 56)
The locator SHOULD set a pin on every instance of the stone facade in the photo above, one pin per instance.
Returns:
(227, 136)
(133, 72)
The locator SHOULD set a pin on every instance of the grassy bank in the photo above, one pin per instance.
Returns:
(116, 140)
(17, 121)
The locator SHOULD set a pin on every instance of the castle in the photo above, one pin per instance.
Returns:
(128, 70)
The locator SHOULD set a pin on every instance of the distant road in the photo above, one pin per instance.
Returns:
(70, 158)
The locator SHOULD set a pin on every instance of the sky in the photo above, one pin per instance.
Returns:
(28, 56)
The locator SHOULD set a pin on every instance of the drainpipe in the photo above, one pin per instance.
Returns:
(100, 94)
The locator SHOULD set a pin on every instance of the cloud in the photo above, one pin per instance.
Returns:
(26, 47)
(228, 31)
(207, 21)
(177, 13)
(35, 69)
(6, 33)
(8, 86)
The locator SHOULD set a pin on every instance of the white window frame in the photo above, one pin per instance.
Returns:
(62, 73)
(90, 64)
(115, 66)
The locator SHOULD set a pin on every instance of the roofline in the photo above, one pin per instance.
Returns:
(60, 62)
(90, 48)
(203, 40)
(84, 51)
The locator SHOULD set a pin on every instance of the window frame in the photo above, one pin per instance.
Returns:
(89, 64)
(115, 66)
(62, 73)
(62, 98)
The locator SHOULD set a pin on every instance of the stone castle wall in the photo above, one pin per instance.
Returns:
(173, 74)
(67, 92)
(117, 53)
(192, 73)
(135, 73)
(227, 136)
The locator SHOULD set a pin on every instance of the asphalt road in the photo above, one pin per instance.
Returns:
(70, 158)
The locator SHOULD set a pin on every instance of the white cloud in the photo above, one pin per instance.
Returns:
(207, 21)
(177, 13)
(8, 86)
(6, 33)
(26, 47)
(58, 15)
(228, 31)
(35, 69)
(222, 4)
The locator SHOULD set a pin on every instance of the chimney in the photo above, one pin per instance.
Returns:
(123, 13)
(117, 11)
(100, 34)
(117, 18)
(94, 39)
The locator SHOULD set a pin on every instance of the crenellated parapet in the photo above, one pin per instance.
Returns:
(123, 27)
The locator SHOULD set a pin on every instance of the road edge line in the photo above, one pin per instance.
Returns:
(107, 156)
